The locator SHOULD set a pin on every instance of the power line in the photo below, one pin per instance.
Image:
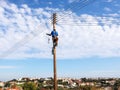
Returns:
(86, 3)
(72, 6)
(95, 24)
(80, 22)
(28, 38)
(87, 21)
(21, 43)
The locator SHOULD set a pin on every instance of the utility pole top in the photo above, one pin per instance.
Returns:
(54, 20)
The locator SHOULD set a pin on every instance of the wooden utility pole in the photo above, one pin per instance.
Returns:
(54, 55)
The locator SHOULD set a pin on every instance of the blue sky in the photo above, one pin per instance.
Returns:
(89, 44)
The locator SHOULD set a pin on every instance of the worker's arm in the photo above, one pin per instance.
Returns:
(48, 34)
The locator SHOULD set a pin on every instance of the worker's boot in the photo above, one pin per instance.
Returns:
(54, 44)
(52, 51)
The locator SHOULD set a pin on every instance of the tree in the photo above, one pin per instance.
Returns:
(29, 86)
(116, 85)
(7, 84)
(85, 87)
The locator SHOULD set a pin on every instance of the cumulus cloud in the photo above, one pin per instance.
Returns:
(91, 40)
(23, 33)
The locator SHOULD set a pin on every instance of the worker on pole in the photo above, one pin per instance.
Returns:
(54, 35)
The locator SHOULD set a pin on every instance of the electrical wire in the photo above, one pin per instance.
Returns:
(21, 43)
(73, 5)
(88, 21)
(88, 24)
(78, 7)
(82, 4)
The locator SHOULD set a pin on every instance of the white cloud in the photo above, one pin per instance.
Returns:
(95, 74)
(107, 9)
(113, 15)
(71, 1)
(79, 36)
(109, 0)
(7, 67)
(36, 1)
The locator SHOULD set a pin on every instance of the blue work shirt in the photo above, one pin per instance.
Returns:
(54, 33)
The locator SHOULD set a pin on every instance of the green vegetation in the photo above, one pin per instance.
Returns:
(29, 86)
(65, 84)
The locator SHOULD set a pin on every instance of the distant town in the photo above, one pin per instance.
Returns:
(63, 84)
